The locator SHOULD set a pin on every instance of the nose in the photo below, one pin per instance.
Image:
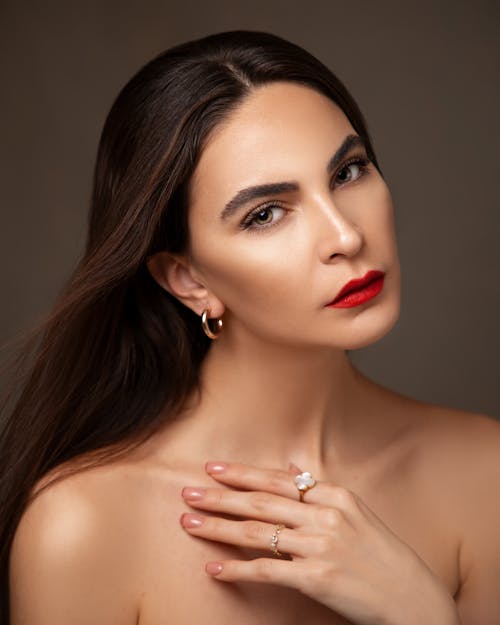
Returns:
(336, 231)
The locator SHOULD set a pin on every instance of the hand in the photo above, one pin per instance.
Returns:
(341, 553)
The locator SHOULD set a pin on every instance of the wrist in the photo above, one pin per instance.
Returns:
(442, 611)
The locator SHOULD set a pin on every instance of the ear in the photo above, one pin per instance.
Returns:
(176, 275)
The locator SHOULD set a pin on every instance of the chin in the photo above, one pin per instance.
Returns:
(371, 329)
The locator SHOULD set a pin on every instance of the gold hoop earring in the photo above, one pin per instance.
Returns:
(206, 327)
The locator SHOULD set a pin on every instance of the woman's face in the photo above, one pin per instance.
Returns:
(272, 262)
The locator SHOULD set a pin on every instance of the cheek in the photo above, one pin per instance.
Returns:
(388, 226)
(253, 273)
(257, 276)
(375, 214)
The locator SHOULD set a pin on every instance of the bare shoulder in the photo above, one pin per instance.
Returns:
(456, 447)
(462, 451)
(467, 442)
(80, 537)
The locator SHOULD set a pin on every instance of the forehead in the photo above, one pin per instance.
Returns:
(278, 132)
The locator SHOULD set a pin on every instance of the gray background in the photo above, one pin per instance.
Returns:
(425, 77)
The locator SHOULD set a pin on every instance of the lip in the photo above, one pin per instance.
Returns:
(360, 290)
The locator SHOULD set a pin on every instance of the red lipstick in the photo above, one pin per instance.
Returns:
(356, 292)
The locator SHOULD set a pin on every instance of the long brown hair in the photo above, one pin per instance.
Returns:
(118, 352)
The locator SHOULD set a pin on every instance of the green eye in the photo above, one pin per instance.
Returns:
(264, 216)
(350, 175)
(347, 174)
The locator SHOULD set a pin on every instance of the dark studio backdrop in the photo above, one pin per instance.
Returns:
(425, 75)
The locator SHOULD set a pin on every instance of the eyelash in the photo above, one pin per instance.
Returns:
(246, 224)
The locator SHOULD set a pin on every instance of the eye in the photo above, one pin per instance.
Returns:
(352, 170)
(349, 175)
(262, 217)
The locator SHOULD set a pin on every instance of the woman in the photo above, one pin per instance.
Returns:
(192, 443)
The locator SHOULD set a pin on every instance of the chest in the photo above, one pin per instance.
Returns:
(177, 588)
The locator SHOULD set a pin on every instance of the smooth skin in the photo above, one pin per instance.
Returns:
(402, 526)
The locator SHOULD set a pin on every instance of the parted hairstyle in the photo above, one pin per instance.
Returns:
(117, 352)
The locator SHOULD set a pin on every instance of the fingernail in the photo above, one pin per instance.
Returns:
(215, 467)
(213, 568)
(191, 520)
(193, 494)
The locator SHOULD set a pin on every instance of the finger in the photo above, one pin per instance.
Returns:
(294, 469)
(263, 570)
(255, 505)
(253, 478)
(253, 534)
(281, 483)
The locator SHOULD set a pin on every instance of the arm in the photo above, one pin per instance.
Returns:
(478, 599)
(69, 562)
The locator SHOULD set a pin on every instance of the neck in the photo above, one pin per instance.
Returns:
(269, 405)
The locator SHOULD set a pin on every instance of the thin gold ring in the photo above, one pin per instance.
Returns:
(274, 540)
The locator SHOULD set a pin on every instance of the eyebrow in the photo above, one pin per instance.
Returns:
(251, 193)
